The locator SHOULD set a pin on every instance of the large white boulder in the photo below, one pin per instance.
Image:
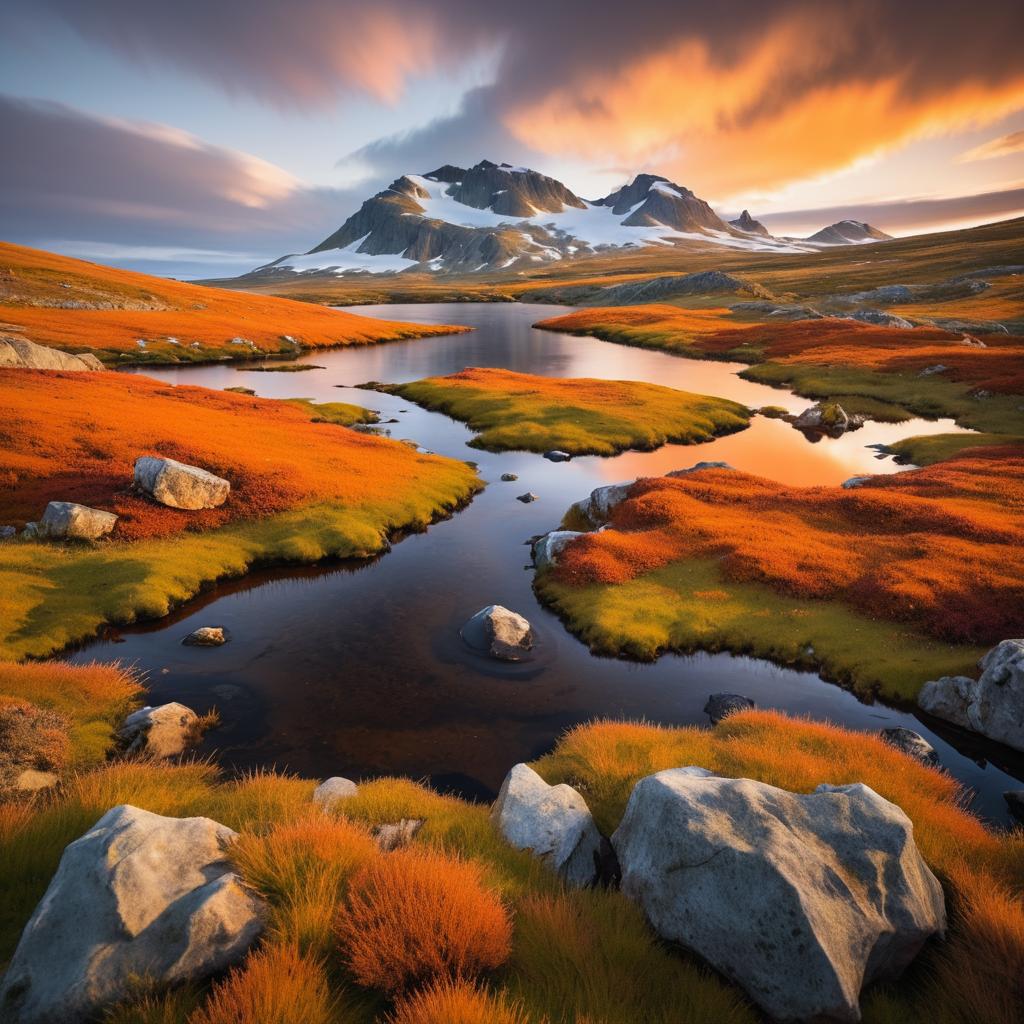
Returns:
(799, 899)
(138, 897)
(27, 355)
(546, 549)
(597, 507)
(164, 731)
(501, 633)
(552, 821)
(67, 520)
(331, 790)
(177, 485)
(992, 705)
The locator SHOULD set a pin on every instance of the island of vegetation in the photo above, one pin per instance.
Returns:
(521, 412)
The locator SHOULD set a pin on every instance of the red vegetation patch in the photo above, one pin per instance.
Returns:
(75, 437)
(414, 917)
(941, 546)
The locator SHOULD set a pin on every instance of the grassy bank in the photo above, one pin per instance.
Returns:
(519, 411)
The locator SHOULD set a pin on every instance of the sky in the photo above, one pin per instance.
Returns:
(206, 137)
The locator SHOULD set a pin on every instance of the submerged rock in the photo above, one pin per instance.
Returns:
(164, 731)
(553, 822)
(178, 485)
(557, 456)
(721, 705)
(547, 548)
(800, 899)
(138, 897)
(911, 743)
(67, 520)
(992, 705)
(509, 478)
(501, 633)
(528, 498)
(207, 636)
(331, 790)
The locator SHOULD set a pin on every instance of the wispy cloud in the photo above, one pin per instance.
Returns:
(1003, 146)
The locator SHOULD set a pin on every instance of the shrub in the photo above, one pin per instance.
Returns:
(30, 737)
(275, 985)
(458, 1002)
(415, 916)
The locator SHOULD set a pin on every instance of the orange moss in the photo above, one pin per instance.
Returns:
(169, 316)
(415, 916)
(940, 546)
(75, 437)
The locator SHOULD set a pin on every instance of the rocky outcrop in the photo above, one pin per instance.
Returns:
(528, 498)
(138, 897)
(827, 418)
(553, 822)
(67, 520)
(911, 743)
(178, 485)
(207, 636)
(699, 467)
(663, 289)
(501, 633)
(853, 482)
(164, 731)
(331, 790)
(721, 705)
(744, 222)
(800, 899)
(992, 705)
(597, 507)
(547, 548)
(880, 318)
(27, 355)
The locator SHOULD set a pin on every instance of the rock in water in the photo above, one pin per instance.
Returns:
(66, 520)
(799, 899)
(178, 485)
(553, 822)
(500, 632)
(139, 896)
(331, 790)
(992, 705)
(207, 636)
(27, 355)
(547, 548)
(557, 456)
(721, 705)
(528, 498)
(164, 731)
(509, 477)
(911, 743)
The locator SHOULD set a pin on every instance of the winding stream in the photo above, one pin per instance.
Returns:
(358, 670)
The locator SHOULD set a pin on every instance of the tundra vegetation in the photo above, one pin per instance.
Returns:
(520, 411)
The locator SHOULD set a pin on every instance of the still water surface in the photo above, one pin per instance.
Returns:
(358, 670)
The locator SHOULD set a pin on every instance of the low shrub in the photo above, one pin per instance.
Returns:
(415, 916)
(458, 1002)
(30, 738)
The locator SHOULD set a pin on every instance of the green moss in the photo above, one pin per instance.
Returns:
(344, 414)
(687, 606)
(924, 451)
(518, 412)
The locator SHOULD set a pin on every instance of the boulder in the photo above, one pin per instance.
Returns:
(331, 790)
(557, 456)
(697, 467)
(528, 498)
(1015, 803)
(992, 705)
(207, 636)
(854, 482)
(66, 520)
(911, 743)
(597, 508)
(501, 633)
(553, 822)
(139, 896)
(547, 548)
(178, 485)
(164, 731)
(509, 478)
(721, 705)
(799, 899)
(881, 318)
(27, 355)
(829, 416)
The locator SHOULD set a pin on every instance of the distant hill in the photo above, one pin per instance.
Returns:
(744, 222)
(849, 232)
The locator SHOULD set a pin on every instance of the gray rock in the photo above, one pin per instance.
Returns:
(501, 633)
(207, 636)
(177, 485)
(331, 790)
(697, 467)
(396, 834)
(557, 456)
(31, 531)
(597, 508)
(139, 896)
(911, 743)
(930, 371)
(528, 498)
(882, 319)
(553, 822)
(992, 705)
(721, 705)
(66, 520)
(800, 899)
(508, 478)
(854, 482)
(546, 549)
(1015, 802)
(7, 532)
(27, 355)
(164, 731)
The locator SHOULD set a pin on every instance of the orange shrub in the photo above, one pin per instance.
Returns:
(457, 1002)
(416, 916)
(895, 547)
(275, 985)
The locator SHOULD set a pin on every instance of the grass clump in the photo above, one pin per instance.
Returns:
(927, 450)
(458, 1002)
(414, 917)
(342, 414)
(30, 738)
(519, 411)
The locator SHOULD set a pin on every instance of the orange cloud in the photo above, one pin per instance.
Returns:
(1003, 146)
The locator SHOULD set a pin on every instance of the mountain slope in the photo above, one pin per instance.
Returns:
(849, 232)
(744, 222)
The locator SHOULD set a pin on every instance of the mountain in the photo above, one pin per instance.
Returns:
(849, 232)
(744, 222)
(498, 217)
